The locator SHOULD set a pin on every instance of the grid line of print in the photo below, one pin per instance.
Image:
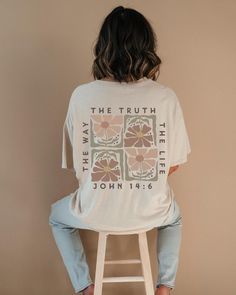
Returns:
(123, 148)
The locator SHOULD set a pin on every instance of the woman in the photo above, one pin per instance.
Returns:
(123, 135)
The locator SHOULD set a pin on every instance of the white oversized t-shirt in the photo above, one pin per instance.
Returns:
(121, 139)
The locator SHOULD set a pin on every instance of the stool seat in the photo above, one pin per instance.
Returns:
(126, 232)
(144, 261)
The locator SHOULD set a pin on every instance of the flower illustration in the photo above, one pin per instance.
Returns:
(141, 159)
(107, 125)
(105, 170)
(138, 136)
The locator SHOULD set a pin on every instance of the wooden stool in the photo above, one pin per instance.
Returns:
(144, 260)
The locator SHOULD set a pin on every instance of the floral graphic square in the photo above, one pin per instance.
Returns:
(141, 164)
(106, 130)
(107, 165)
(139, 131)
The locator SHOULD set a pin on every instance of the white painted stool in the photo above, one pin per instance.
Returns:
(144, 260)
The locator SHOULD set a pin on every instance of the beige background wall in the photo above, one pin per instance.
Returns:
(45, 52)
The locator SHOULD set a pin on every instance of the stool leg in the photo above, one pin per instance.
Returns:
(146, 267)
(101, 252)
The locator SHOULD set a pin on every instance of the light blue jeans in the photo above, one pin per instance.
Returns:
(65, 228)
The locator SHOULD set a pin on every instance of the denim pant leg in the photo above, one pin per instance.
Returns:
(168, 248)
(65, 229)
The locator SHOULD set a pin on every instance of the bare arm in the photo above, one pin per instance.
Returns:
(173, 169)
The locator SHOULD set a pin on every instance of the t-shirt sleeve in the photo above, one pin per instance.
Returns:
(67, 141)
(180, 144)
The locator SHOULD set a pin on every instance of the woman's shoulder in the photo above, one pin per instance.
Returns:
(166, 92)
(80, 91)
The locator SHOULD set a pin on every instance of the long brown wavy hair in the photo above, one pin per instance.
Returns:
(125, 47)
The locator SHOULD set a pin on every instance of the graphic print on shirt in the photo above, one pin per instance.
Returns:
(123, 148)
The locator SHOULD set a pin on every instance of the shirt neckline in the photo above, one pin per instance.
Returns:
(140, 82)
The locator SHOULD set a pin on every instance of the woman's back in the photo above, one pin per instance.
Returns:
(121, 139)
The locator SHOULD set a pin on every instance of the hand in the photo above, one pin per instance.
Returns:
(173, 169)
